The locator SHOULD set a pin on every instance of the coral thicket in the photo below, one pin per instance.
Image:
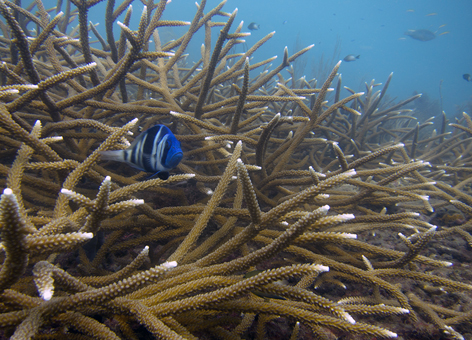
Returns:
(296, 209)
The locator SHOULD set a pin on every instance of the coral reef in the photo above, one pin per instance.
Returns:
(289, 213)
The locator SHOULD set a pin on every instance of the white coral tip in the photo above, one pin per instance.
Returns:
(321, 268)
(325, 208)
(390, 334)
(47, 295)
(351, 172)
(170, 264)
(56, 138)
(349, 318)
(66, 191)
(347, 217)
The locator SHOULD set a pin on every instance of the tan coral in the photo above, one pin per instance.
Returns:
(276, 174)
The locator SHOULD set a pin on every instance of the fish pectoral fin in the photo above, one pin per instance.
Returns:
(160, 174)
(163, 175)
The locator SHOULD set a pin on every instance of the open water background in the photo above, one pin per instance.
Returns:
(372, 29)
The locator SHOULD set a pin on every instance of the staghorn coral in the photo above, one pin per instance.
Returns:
(275, 178)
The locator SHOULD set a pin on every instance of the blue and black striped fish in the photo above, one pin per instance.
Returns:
(154, 150)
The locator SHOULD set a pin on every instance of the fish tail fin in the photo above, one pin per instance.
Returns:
(357, 57)
(113, 155)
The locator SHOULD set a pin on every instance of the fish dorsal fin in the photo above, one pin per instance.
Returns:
(136, 140)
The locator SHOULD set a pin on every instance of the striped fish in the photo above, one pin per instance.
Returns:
(154, 150)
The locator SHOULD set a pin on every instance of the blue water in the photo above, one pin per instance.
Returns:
(372, 29)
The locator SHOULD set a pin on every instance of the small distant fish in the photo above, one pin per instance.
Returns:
(431, 14)
(467, 77)
(154, 150)
(253, 26)
(421, 34)
(351, 57)
(447, 32)
(410, 10)
(442, 25)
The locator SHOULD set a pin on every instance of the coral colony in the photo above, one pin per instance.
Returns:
(339, 207)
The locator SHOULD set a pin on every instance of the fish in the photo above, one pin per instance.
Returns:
(447, 32)
(467, 77)
(431, 14)
(155, 150)
(253, 26)
(443, 25)
(421, 34)
(410, 10)
(351, 57)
